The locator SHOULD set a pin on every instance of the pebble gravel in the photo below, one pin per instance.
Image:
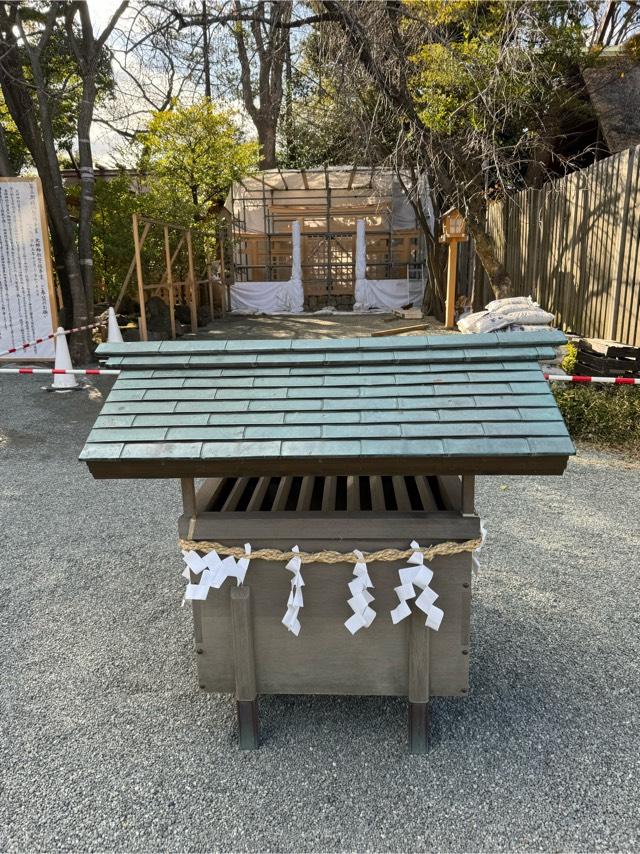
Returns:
(107, 744)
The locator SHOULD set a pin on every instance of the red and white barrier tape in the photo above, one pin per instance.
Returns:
(86, 372)
(115, 372)
(576, 378)
(26, 346)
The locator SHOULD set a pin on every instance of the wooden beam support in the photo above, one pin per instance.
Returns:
(138, 258)
(169, 275)
(452, 269)
(468, 499)
(419, 642)
(244, 664)
(192, 286)
(132, 267)
(188, 487)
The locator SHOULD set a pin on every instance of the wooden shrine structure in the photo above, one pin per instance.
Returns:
(336, 444)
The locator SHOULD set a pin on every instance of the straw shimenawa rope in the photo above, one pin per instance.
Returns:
(448, 548)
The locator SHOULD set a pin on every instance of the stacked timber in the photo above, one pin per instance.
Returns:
(598, 357)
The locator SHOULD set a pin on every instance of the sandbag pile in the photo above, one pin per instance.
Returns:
(513, 313)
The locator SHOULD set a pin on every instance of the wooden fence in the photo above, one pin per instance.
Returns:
(574, 246)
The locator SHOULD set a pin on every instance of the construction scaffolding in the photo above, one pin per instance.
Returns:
(327, 202)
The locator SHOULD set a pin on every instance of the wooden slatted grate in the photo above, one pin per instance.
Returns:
(332, 494)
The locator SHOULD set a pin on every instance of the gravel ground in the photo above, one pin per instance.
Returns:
(107, 743)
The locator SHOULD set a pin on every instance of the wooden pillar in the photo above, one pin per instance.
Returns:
(245, 671)
(452, 270)
(143, 312)
(169, 274)
(210, 291)
(418, 684)
(188, 487)
(192, 285)
(468, 501)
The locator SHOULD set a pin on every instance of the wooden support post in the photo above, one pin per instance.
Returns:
(169, 274)
(188, 487)
(468, 502)
(224, 297)
(210, 291)
(192, 285)
(143, 312)
(452, 268)
(245, 671)
(418, 684)
(132, 267)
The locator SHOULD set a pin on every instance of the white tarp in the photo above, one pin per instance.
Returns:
(274, 297)
(25, 304)
(388, 293)
(267, 297)
(381, 293)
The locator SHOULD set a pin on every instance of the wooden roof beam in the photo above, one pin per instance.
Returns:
(284, 180)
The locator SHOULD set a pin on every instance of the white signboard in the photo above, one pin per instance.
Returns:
(27, 305)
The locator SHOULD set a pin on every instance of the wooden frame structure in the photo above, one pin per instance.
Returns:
(328, 202)
(176, 239)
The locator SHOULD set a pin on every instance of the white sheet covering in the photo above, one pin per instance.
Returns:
(268, 297)
(387, 293)
(274, 297)
(381, 293)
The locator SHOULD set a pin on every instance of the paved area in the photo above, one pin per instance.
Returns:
(107, 744)
(312, 326)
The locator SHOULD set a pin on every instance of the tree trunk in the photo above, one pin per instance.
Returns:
(267, 139)
(499, 279)
(6, 167)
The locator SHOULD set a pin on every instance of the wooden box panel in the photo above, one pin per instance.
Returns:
(325, 658)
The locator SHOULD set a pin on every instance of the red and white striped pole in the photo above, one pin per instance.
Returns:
(86, 372)
(576, 378)
(26, 346)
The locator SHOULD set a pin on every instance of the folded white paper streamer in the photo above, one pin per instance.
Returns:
(417, 575)
(213, 571)
(360, 601)
(475, 560)
(295, 600)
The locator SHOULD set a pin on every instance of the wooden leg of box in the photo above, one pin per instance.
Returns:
(419, 714)
(248, 724)
(418, 684)
(245, 671)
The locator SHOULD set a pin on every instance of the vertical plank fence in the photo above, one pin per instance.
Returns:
(574, 245)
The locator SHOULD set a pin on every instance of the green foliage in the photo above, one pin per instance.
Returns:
(605, 415)
(63, 86)
(191, 155)
(489, 73)
(569, 361)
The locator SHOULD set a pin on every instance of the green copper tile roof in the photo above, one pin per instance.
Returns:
(450, 403)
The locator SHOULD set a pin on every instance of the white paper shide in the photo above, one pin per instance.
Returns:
(295, 600)
(418, 575)
(213, 571)
(360, 599)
